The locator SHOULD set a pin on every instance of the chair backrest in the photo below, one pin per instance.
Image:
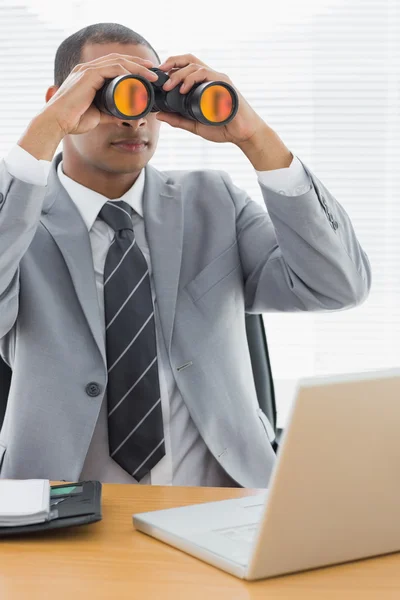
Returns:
(261, 365)
(259, 359)
(5, 380)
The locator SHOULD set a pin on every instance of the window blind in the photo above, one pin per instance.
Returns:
(325, 77)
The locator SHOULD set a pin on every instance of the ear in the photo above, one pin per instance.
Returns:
(50, 92)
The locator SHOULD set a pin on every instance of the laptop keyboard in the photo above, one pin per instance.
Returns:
(242, 533)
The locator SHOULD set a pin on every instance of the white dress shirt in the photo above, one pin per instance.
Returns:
(187, 460)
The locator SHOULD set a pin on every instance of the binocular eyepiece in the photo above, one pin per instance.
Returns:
(133, 97)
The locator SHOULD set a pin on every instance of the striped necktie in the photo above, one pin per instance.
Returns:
(135, 425)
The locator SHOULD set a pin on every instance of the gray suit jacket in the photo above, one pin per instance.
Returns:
(215, 254)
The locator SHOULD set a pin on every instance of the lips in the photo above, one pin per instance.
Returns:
(130, 142)
(131, 147)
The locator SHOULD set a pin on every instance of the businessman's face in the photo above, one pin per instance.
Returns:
(97, 146)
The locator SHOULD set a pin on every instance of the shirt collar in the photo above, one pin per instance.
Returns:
(89, 203)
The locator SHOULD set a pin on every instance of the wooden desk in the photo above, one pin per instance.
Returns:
(110, 560)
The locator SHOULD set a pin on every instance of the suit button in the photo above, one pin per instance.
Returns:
(92, 389)
(335, 225)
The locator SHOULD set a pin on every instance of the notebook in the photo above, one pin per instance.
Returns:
(24, 502)
(33, 506)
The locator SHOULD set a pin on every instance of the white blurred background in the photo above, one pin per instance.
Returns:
(324, 74)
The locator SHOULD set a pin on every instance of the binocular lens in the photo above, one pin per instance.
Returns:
(131, 97)
(216, 103)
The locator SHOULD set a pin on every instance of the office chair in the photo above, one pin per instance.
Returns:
(260, 364)
(262, 371)
(5, 380)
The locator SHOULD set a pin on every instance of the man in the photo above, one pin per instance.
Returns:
(123, 289)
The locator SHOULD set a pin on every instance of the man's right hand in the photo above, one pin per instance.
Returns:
(71, 106)
(71, 110)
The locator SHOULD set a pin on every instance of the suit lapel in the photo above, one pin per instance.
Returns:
(62, 219)
(163, 217)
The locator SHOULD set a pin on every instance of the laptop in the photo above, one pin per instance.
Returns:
(333, 497)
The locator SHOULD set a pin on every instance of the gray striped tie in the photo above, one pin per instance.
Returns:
(135, 426)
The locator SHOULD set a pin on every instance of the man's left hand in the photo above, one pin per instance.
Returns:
(187, 70)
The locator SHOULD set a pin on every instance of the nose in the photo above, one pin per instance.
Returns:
(118, 122)
(133, 124)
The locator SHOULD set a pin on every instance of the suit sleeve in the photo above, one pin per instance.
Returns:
(301, 254)
(20, 209)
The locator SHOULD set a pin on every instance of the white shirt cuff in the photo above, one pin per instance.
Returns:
(291, 181)
(22, 165)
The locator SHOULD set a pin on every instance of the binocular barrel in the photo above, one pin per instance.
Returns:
(133, 97)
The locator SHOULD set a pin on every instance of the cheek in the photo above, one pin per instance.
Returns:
(154, 136)
(155, 132)
(89, 142)
(153, 125)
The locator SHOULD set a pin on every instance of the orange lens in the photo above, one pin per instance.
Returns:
(216, 103)
(131, 97)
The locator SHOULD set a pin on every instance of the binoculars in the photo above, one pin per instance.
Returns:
(133, 97)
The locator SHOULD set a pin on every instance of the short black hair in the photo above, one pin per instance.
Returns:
(69, 52)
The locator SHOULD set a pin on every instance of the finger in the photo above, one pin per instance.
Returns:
(200, 75)
(142, 69)
(179, 75)
(180, 61)
(171, 71)
(131, 66)
(115, 55)
(137, 59)
(177, 121)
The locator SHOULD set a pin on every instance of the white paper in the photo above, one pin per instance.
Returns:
(24, 501)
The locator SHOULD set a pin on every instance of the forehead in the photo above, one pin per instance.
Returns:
(93, 51)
